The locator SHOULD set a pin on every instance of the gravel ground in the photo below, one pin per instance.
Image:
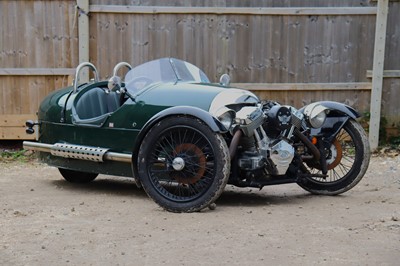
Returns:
(45, 220)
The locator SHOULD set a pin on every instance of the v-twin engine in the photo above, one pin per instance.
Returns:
(274, 155)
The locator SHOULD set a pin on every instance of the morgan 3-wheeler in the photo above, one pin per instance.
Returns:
(183, 138)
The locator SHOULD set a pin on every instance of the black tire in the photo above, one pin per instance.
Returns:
(183, 165)
(347, 164)
(76, 176)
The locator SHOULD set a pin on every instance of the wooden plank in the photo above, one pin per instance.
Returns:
(15, 133)
(305, 11)
(357, 86)
(83, 36)
(386, 73)
(13, 127)
(377, 69)
(16, 120)
(36, 71)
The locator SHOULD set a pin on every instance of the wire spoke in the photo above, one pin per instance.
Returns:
(348, 152)
(198, 155)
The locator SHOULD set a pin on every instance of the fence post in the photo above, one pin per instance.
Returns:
(83, 36)
(377, 72)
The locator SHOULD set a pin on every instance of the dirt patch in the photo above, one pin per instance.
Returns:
(45, 220)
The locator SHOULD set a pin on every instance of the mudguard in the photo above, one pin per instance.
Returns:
(338, 115)
(337, 109)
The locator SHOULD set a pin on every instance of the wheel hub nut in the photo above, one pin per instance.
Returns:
(178, 164)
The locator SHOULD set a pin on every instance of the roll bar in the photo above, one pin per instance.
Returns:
(119, 65)
(78, 70)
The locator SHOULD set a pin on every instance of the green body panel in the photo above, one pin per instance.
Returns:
(117, 140)
(120, 129)
(122, 126)
(196, 95)
(51, 107)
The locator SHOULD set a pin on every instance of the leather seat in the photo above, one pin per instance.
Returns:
(96, 102)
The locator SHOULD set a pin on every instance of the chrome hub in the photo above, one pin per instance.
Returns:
(178, 164)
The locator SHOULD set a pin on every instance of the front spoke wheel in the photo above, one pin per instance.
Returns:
(183, 165)
(347, 161)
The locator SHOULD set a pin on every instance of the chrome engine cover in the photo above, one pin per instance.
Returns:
(282, 154)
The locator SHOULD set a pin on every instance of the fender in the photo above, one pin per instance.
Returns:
(196, 112)
(340, 113)
(337, 109)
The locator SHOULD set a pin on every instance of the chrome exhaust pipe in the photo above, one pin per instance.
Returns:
(79, 152)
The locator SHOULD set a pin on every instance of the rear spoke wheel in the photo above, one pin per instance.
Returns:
(77, 176)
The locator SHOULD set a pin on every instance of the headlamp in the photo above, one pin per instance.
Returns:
(316, 114)
(225, 116)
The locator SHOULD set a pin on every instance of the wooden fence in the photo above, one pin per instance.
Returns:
(284, 50)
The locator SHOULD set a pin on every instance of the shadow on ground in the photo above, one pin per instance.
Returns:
(230, 197)
(114, 186)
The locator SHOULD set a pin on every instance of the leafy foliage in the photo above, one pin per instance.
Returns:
(384, 140)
